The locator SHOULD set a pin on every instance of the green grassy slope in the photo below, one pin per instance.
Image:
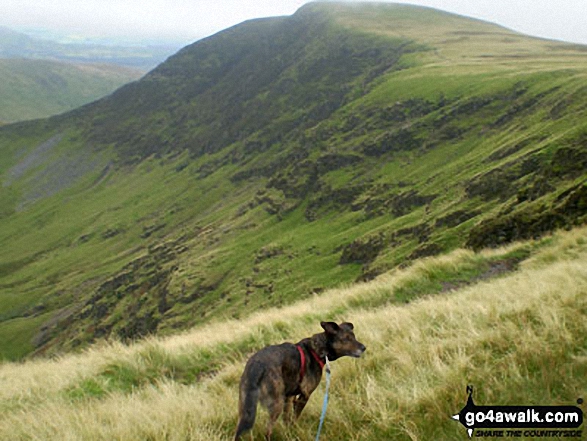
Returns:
(280, 158)
(38, 89)
(508, 321)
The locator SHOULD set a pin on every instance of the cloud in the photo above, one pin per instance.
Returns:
(187, 20)
(179, 19)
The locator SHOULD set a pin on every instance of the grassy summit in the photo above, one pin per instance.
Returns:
(280, 158)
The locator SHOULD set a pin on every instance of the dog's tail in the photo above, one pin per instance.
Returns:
(248, 398)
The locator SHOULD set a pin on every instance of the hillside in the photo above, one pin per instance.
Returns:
(280, 158)
(37, 89)
(518, 336)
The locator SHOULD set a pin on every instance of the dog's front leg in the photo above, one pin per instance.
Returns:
(288, 410)
(299, 404)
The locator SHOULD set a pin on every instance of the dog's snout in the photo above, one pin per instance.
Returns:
(360, 348)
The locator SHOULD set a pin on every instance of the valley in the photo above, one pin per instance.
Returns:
(279, 159)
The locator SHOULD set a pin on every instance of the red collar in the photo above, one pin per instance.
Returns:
(303, 360)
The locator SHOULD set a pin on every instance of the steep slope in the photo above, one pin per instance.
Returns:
(38, 89)
(518, 338)
(279, 158)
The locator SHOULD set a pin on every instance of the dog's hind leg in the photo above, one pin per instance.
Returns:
(273, 398)
(275, 409)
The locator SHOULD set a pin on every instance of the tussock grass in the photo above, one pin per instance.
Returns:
(519, 339)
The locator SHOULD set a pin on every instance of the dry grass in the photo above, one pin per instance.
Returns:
(520, 339)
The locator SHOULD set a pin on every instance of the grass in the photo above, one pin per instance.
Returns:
(37, 89)
(518, 338)
(21, 332)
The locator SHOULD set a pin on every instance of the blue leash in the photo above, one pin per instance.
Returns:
(325, 402)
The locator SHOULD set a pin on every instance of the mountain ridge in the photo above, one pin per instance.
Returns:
(280, 158)
(293, 36)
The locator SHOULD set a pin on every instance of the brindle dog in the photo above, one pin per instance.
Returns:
(284, 376)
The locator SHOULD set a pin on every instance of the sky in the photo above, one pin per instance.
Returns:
(190, 20)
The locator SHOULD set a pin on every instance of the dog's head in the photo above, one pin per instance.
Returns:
(341, 340)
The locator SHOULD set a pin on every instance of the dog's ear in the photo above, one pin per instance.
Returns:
(347, 326)
(330, 327)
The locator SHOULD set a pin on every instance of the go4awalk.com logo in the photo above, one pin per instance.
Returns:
(520, 421)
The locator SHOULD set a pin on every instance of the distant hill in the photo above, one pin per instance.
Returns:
(144, 57)
(37, 88)
(41, 78)
(280, 158)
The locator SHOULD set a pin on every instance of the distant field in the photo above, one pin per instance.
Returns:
(35, 89)
(510, 321)
(144, 57)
